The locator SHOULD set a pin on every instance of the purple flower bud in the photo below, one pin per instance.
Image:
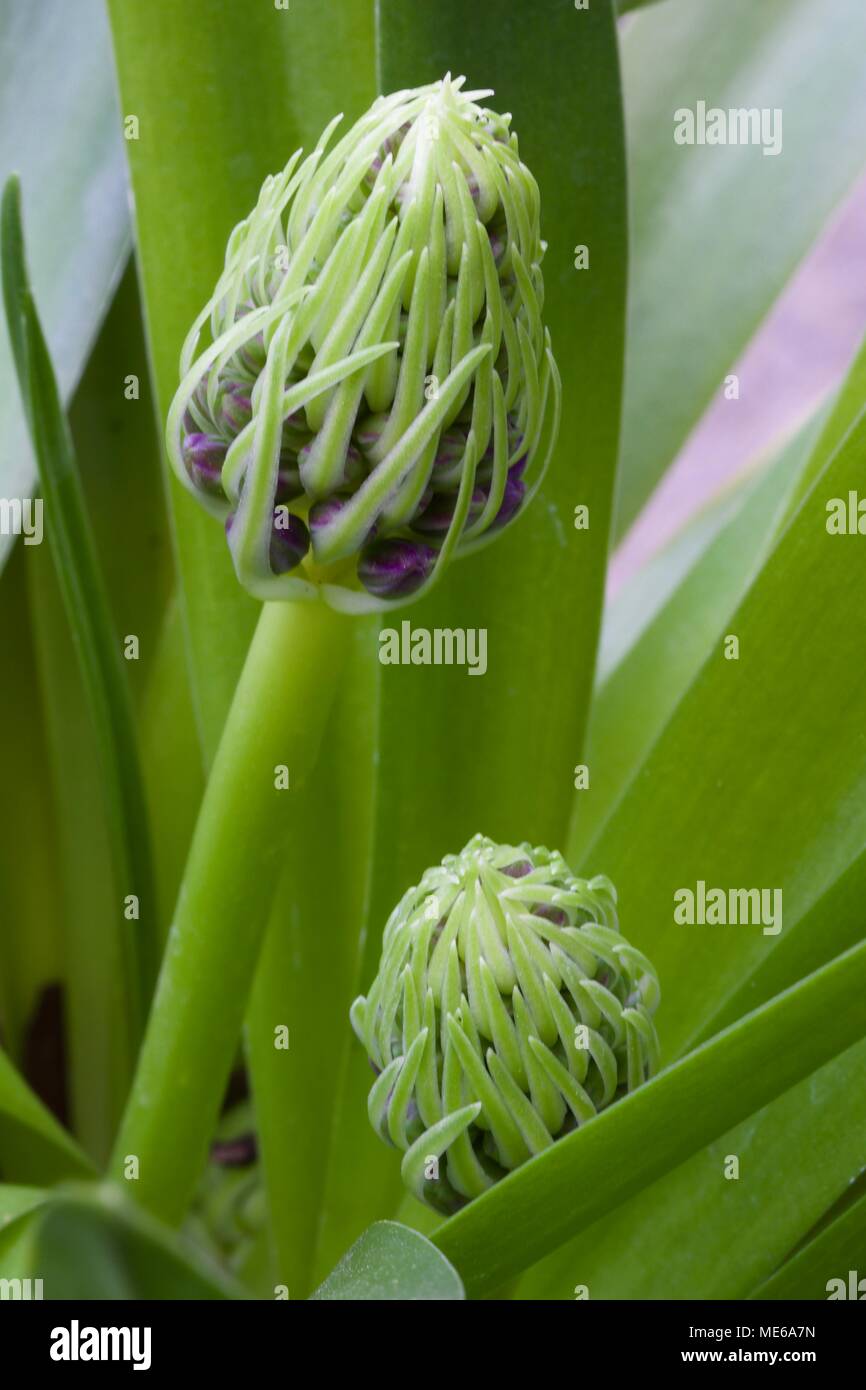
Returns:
(290, 541)
(437, 516)
(512, 501)
(323, 513)
(395, 568)
(450, 450)
(517, 470)
(204, 456)
(519, 869)
(557, 915)
(236, 407)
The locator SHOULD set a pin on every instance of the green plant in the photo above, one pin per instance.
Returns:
(253, 777)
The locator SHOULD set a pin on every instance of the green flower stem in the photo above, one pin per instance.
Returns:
(277, 718)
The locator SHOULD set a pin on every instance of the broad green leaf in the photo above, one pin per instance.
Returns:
(220, 104)
(91, 1242)
(581, 1177)
(33, 1146)
(831, 925)
(704, 1231)
(87, 607)
(390, 1262)
(636, 700)
(537, 591)
(833, 1255)
(59, 130)
(718, 230)
(757, 780)
(645, 593)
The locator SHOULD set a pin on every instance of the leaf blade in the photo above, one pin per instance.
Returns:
(587, 1173)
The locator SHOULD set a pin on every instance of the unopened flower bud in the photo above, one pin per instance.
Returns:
(396, 568)
(376, 334)
(507, 1011)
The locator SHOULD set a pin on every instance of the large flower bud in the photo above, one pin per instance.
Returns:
(507, 1010)
(376, 355)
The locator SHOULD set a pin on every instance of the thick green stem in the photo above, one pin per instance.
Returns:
(276, 720)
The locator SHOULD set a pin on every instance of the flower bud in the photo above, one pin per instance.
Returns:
(395, 568)
(376, 334)
(203, 457)
(507, 1011)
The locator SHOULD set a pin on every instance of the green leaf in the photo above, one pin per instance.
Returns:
(30, 942)
(391, 1262)
(114, 437)
(58, 128)
(537, 592)
(788, 714)
(705, 272)
(15, 1201)
(638, 697)
(831, 925)
(703, 1232)
(91, 1242)
(33, 1146)
(89, 617)
(832, 1255)
(635, 1141)
(645, 593)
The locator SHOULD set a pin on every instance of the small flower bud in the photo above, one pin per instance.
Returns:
(507, 1011)
(204, 457)
(290, 541)
(395, 568)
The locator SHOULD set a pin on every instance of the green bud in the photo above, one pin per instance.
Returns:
(507, 1010)
(375, 350)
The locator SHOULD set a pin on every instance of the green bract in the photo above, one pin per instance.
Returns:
(507, 1010)
(378, 391)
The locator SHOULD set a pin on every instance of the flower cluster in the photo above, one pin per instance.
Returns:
(378, 392)
(507, 1010)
